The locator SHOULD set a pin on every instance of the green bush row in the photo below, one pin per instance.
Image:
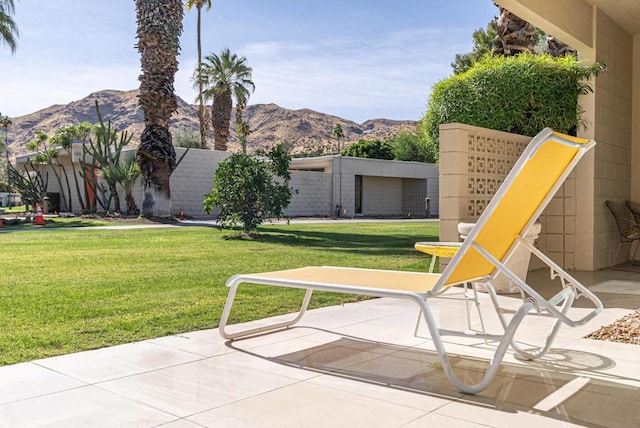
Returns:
(521, 94)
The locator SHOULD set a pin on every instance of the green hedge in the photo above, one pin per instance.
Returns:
(521, 94)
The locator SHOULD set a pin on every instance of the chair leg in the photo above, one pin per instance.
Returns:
(566, 296)
(494, 366)
(222, 328)
(467, 299)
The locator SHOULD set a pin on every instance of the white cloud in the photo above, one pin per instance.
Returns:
(386, 77)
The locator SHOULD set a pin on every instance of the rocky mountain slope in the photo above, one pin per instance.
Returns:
(304, 131)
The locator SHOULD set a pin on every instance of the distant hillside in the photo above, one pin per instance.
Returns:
(304, 131)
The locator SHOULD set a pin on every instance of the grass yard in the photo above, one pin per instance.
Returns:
(63, 291)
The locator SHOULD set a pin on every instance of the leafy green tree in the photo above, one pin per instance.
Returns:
(202, 116)
(409, 147)
(372, 149)
(8, 28)
(158, 32)
(248, 190)
(482, 45)
(224, 77)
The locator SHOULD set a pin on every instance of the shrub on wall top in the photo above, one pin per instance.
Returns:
(521, 94)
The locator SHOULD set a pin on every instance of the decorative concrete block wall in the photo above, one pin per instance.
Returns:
(473, 164)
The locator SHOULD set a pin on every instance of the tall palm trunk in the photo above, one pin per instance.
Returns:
(202, 116)
(159, 29)
(514, 35)
(221, 118)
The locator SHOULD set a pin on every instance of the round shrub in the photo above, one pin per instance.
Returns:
(521, 94)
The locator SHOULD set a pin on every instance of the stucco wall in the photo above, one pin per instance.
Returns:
(311, 194)
(382, 196)
(612, 131)
(192, 179)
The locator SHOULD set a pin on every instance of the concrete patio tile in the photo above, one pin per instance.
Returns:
(181, 423)
(434, 420)
(427, 402)
(402, 336)
(28, 380)
(194, 387)
(309, 405)
(206, 343)
(117, 361)
(81, 407)
(500, 418)
(520, 402)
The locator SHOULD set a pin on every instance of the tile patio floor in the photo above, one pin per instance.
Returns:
(357, 365)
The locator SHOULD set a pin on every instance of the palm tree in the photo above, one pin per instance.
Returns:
(338, 133)
(243, 130)
(202, 116)
(5, 122)
(159, 29)
(224, 77)
(514, 35)
(8, 29)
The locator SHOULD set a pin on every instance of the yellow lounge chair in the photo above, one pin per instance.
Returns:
(526, 191)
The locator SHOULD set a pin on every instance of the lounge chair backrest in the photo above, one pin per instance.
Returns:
(525, 192)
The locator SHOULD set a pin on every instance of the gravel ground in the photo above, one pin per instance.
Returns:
(624, 330)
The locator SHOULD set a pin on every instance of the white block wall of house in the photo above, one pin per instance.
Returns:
(311, 194)
(382, 196)
(345, 170)
(192, 180)
(389, 187)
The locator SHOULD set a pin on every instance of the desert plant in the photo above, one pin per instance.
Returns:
(125, 173)
(101, 152)
(47, 154)
(32, 185)
(521, 94)
(248, 190)
(66, 137)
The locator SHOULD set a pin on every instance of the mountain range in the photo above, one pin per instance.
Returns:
(304, 131)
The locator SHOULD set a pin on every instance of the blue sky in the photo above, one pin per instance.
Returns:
(357, 59)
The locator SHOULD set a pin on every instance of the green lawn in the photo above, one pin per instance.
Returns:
(63, 291)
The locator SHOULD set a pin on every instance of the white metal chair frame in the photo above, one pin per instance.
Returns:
(472, 263)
